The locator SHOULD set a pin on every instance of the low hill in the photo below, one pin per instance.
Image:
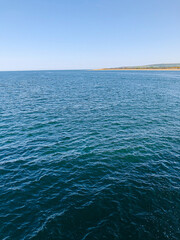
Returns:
(171, 66)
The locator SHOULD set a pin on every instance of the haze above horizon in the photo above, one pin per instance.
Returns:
(84, 34)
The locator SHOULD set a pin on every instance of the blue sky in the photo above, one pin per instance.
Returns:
(83, 34)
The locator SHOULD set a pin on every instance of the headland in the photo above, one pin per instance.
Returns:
(153, 67)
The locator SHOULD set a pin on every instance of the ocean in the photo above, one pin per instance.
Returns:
(88, 155)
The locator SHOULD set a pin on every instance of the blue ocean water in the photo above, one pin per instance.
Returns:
(88, 155)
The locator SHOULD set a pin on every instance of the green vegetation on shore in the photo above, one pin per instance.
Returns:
(171, 66)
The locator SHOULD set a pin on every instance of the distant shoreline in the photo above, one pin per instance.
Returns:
(137, 69)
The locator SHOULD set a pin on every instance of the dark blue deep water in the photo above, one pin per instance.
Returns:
(88, 155)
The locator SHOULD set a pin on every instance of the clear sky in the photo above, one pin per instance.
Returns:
(82, 34)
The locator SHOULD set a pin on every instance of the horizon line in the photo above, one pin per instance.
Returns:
(33, 70)
(78, 69)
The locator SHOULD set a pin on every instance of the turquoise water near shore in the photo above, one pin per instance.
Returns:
(90, 155)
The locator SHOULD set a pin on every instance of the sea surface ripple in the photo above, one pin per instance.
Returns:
(88, 155)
